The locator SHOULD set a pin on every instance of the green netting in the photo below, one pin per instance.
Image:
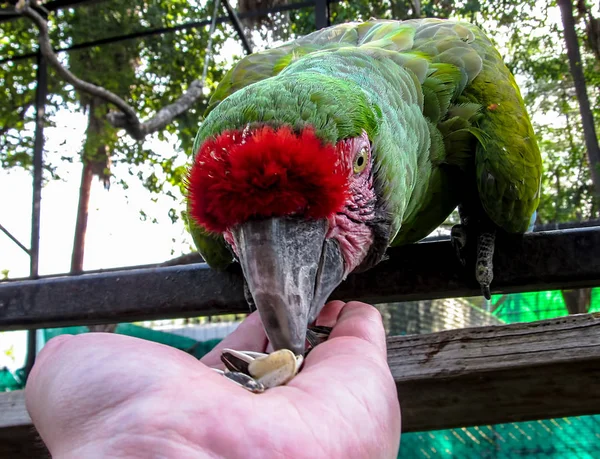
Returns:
(529, 307)
(565, 438)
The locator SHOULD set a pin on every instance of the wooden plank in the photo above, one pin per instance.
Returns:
(12, 410)
(459, 378)
(498, 374)
(537, 261)
(18, 437)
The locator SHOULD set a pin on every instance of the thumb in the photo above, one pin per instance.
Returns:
(362, 321)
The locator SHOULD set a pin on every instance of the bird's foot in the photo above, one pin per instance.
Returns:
(458, 236)
(257, 372)
(484, 266)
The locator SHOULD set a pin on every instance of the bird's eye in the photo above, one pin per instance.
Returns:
(360, 162)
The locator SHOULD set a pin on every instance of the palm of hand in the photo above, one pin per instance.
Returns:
(104, 395)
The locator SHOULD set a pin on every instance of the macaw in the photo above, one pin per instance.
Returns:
(317, 155)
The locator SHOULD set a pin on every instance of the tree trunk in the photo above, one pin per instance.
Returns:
(82, 218)
(95, 161)
(587, 118)
(592, 28)
(578, 300)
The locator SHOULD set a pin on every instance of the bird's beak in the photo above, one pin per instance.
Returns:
(291, 269)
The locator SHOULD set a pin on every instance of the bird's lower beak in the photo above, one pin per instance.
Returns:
(291, 269)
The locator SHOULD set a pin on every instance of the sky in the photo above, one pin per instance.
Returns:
(116, 235)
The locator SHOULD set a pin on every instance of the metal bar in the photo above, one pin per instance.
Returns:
(14, 239)
(237, 25)
(7, 14)
(566, 225)
(56, 5)
(209, 46)
(38, 161)
(321, 14)
(41, 95)
(163, 30)
(49, 6)
(534, 262)
(195, 257)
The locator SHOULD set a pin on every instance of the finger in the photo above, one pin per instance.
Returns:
(329, 315)
(249, 336)
(350, 370)
(76, 377)
(362, 321)
(358, 336)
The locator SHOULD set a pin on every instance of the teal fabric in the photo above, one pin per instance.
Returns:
(197, 349)
(10, 381)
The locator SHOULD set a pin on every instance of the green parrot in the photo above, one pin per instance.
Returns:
(318, 155)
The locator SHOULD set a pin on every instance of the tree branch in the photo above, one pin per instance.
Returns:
(587, 117)
(127, 117)
(25, 7)
(20, 116)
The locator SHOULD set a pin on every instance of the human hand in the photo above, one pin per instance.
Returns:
(112, 396)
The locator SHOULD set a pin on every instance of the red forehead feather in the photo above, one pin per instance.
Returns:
(263, 173)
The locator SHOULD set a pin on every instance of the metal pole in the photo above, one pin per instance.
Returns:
(14, 239)
(533, 262)
(237, 25)
(38, 162)
(164, 30)
(321, 14)
(38, 150)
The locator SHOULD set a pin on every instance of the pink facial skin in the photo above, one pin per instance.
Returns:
(348, 226)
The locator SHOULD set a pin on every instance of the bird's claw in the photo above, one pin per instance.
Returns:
(484, 267)
(485, 291)
(484, 270)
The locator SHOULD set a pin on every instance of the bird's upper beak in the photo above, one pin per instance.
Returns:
(291, 269)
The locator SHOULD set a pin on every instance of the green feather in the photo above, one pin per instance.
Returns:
(211, 246)
(440, 108)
